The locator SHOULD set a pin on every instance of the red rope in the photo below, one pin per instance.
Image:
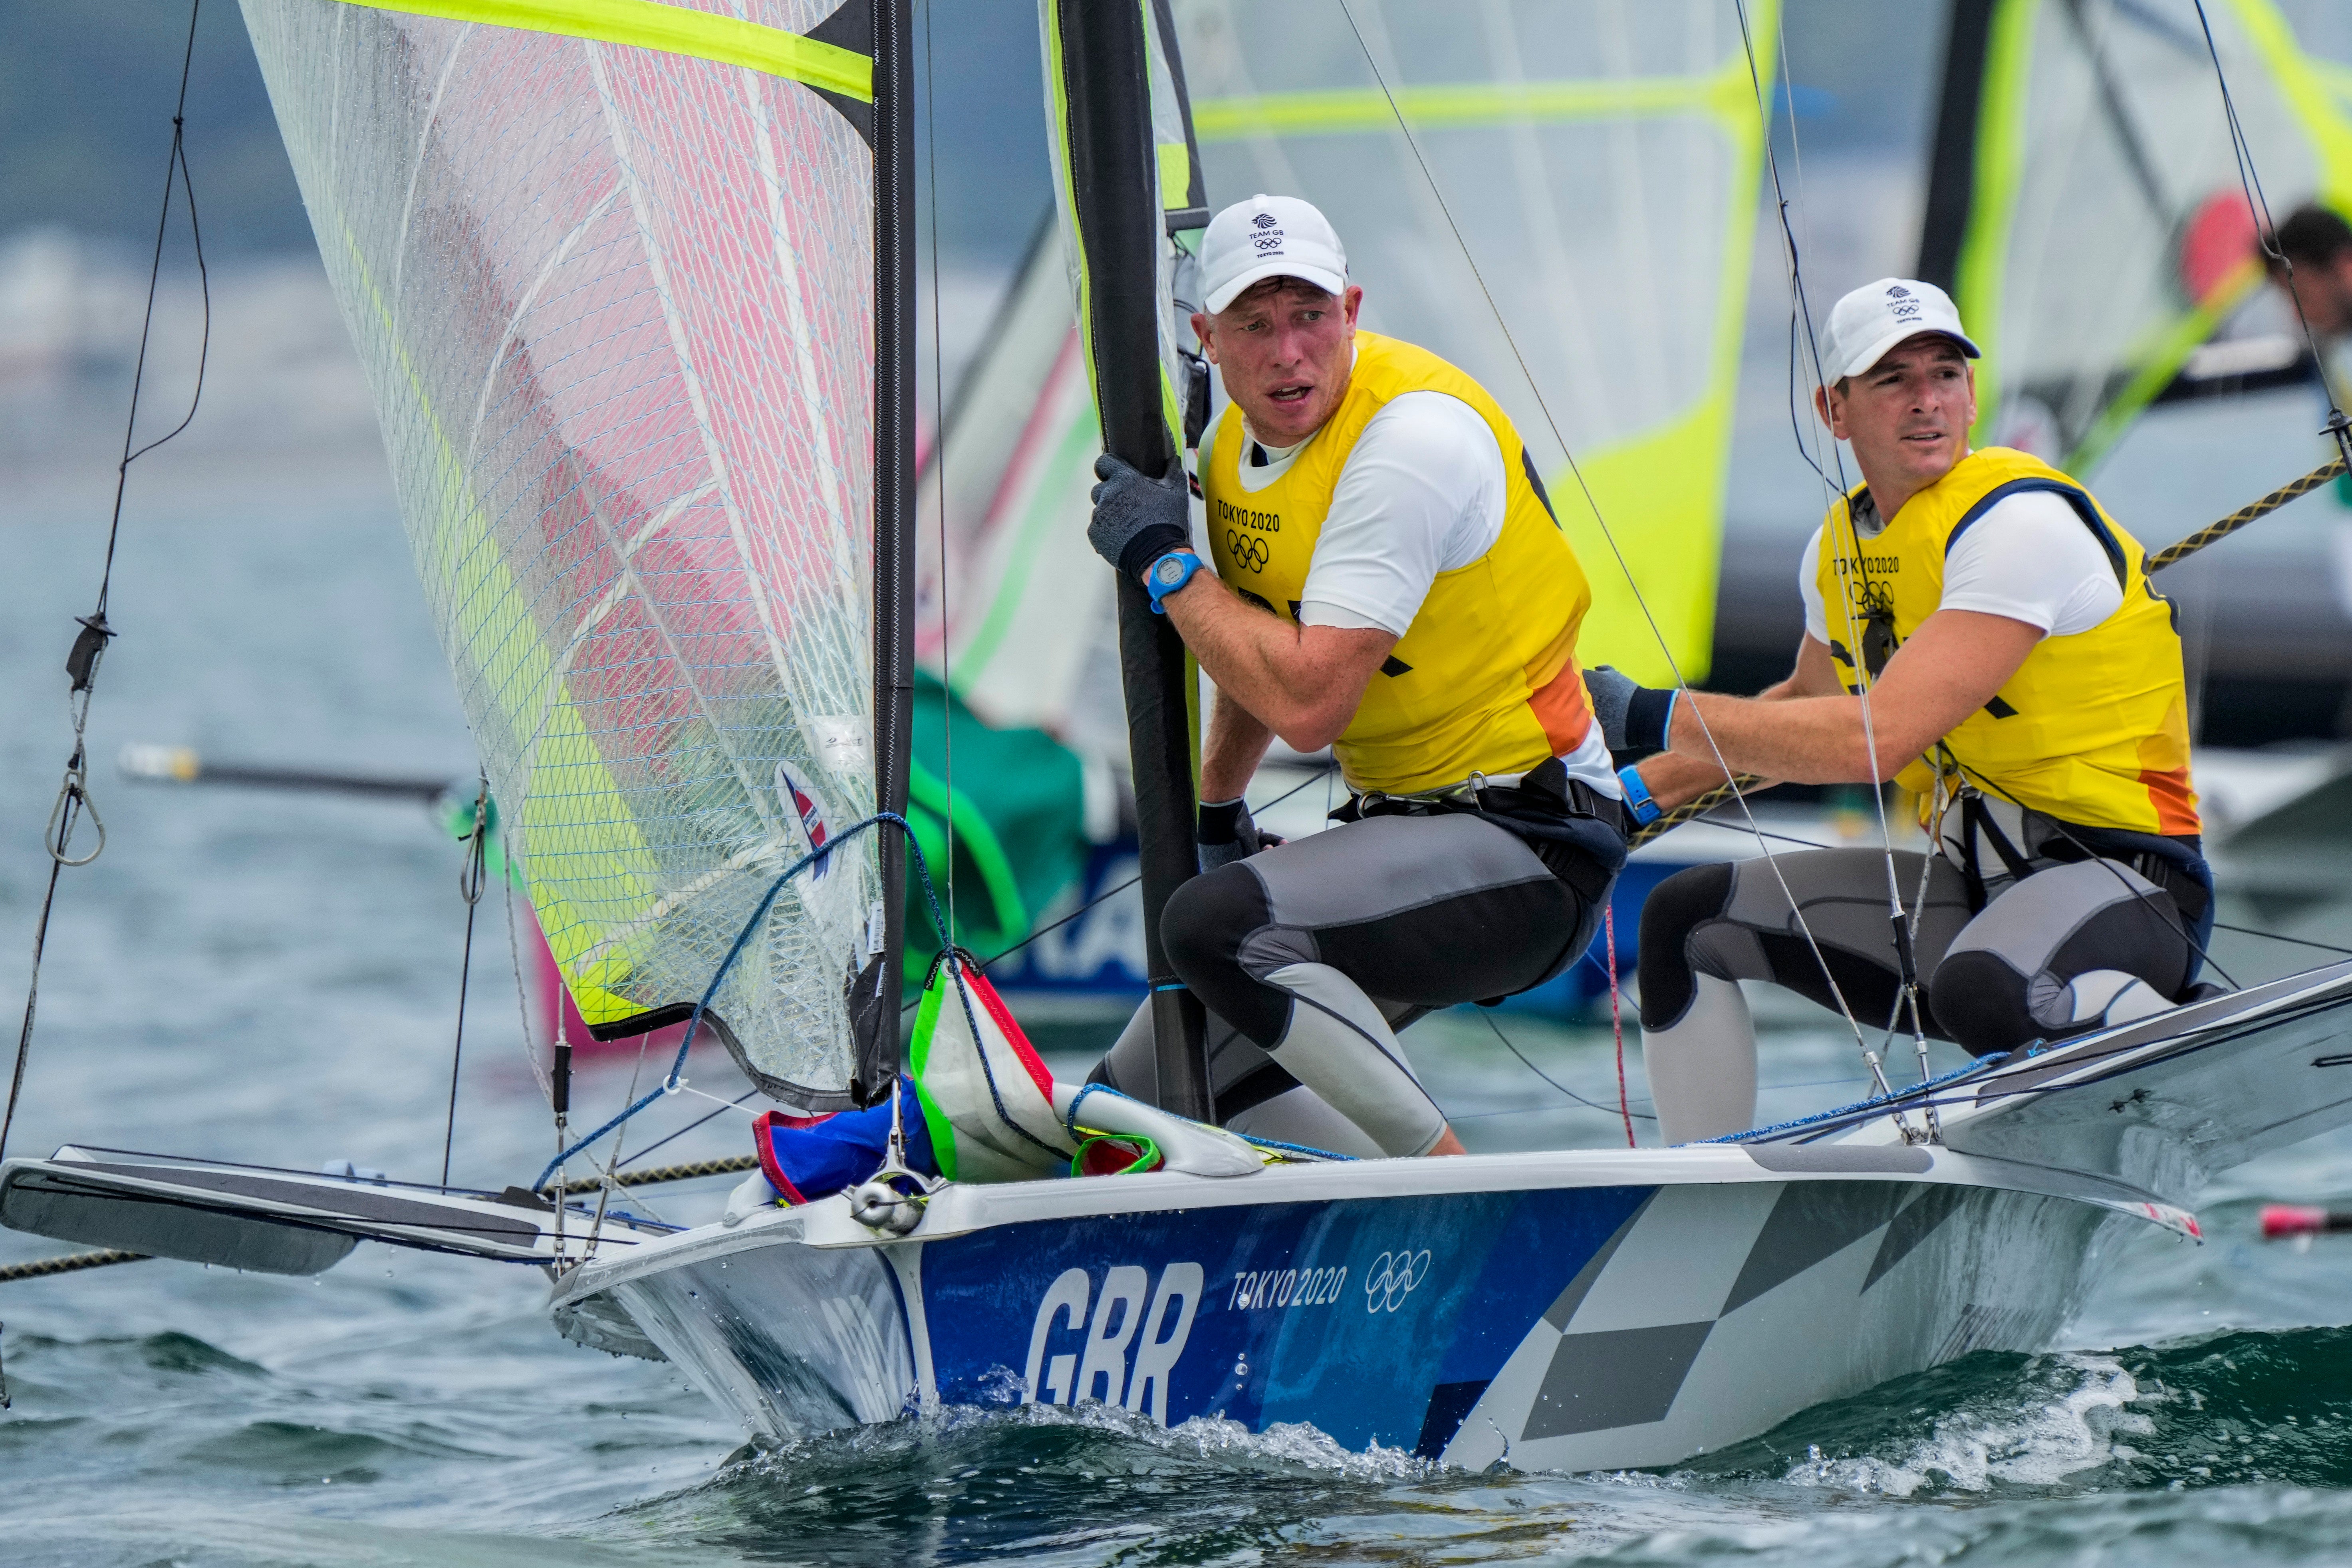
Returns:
(1617, 1022)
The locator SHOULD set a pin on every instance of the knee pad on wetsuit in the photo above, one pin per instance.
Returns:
(1702, 1068)
(1675, 908)
(2066, 951)
(1203, 928)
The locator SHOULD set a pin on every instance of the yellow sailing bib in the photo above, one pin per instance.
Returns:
(1484, 680)
(2094, 727)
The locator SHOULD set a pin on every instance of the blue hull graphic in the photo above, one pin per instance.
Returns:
(1379, 1321)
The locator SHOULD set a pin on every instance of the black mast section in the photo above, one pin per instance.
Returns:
(1952, 165)
(1113, 185)
(875, 1009)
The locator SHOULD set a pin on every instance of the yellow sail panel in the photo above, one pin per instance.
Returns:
(675, 29)
(1583, 253)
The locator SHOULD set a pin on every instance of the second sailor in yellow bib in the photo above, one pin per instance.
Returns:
(1389, 582)
(2023, 679)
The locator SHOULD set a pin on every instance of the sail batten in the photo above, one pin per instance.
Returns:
(616, 303)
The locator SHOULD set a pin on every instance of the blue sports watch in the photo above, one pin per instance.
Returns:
(1168, 574)
(1637, 796)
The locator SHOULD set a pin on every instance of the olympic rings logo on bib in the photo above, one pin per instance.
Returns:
(1392, 1277)
(1247, 549)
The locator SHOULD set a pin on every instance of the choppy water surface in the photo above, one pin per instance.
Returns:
(274, 978)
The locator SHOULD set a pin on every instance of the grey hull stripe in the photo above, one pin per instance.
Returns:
(1619, 1377)
(1796, 1159)
(1559, 1314)
(1813, 1221)
(1915, 1225)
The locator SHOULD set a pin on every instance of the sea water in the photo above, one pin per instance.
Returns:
(274, 978)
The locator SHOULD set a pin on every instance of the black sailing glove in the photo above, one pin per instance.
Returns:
(1137, 520)
(1228, 834)
(1633, 718)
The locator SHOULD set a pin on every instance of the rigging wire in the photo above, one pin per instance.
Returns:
(1801, 334)
(1326, 772)
(1622, 1108)
(2249, 182)
(471, 879)
(1593, 503)
(1616, 1022)
(2278, 936)
(89, 646)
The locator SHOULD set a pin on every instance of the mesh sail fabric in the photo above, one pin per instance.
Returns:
(2103, 181)
(1026, 632)
(1603, 174)
(615, 306)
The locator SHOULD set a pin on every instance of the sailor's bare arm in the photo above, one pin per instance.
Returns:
(1673, 778)
(1301, 683)
(1951, 666)
(1237, 743)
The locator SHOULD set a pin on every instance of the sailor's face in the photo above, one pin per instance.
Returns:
(2324, 291)
(1285, 355)
(1907, 415)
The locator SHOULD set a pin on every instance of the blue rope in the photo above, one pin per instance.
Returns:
(1875, 1105)
(669, 1083)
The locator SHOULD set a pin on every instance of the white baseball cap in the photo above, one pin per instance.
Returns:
(1269, 237)
(1868, 322)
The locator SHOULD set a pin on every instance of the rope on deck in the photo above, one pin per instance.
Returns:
(726, 1167)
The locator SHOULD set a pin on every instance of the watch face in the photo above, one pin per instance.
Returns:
(1169, 569)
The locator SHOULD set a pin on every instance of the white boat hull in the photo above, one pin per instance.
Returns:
(1581, 1310)
(1594, 1320)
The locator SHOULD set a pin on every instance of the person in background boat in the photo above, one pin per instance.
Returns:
(1389, 582)
(2024, 679)
(2318, 242)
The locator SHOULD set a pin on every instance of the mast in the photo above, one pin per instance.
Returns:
(1952, 165)
(876, 1010)
(1098, 86)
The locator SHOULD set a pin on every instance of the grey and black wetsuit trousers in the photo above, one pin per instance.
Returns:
(2066, 948)
(1994, 979)
(1310, 953)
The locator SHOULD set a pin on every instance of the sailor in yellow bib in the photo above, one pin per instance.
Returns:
(1389, 581)
(2025, 680)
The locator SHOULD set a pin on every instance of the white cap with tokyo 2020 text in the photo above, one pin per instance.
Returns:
(1875, 317)
(1269, 237)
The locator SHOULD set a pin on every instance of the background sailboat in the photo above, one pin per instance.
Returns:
(1589, 261)
(2085, 210)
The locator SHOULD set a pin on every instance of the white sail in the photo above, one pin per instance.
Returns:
(616, 304)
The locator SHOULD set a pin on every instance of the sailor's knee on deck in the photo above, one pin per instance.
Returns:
(1674, 911)
(2066, 951)
(1204, 927)
(1698, 1042)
